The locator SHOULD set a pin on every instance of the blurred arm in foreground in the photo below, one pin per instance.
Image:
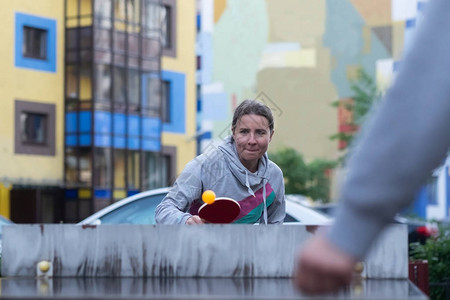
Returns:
(407, 137)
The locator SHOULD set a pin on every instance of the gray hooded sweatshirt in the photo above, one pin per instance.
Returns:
(260, 194)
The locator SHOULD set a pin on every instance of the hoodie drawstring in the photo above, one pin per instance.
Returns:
(247, 184)
(264, 198)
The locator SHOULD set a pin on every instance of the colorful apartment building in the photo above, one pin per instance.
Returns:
(98, 103)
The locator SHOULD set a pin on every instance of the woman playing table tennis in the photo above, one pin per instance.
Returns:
(238, 168)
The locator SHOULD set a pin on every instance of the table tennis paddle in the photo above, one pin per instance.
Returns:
(221, 210)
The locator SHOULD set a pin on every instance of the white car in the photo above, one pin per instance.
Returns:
(297, 212)
(140, 209)
(3, 221)
(136, 209)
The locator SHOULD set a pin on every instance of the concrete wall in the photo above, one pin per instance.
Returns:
(58, 288)
(179, 251)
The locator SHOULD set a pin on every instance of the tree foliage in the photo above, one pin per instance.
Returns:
(365, 95)
(309, 179)
(312, 179)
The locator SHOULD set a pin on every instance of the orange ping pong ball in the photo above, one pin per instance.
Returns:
(209, 196)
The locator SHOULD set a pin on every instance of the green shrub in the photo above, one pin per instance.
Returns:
(308, 179)
(437, 252)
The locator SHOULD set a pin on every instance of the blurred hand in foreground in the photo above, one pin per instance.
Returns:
(322, 268)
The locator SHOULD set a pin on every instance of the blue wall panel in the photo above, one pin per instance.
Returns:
(130, 131)
(119, 142)
(85, 140)
(102, 122)
(85, 121)
(71, 122)
(151, 127)
(133, 143)
(419, 207)
(102, 129)
(133, 125)
(119, 124)
(151, 145)
(71, 193)
(102, 193)
(71, 139)
(134, 132)
(102, 140)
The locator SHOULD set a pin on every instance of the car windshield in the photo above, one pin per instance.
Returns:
(290, 218)
(4, 221)
(141, 211)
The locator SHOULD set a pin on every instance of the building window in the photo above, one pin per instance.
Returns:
(166, 16)
(119, 87)
(152, 16)
(133, 170)
(34, 131)
(432, 190)
(133, 89)
(159, 168)
(151, 171)
(103, 86)
(33, 128)
(71, 168)
(199, 62)
(119, 168)
(168, 28)
(34, 42)
(102, 167)
(85, 163)
(151, 96)
(165, 105)
(170, 154)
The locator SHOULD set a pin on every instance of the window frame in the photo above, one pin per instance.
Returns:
(432, 189)
(23, 147)
(33, 115)
(20, 60)
(171, 49)
(29, 47)
(166, 101)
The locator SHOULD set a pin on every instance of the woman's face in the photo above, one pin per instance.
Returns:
(252, 137)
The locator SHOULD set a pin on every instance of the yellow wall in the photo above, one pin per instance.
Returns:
(29, 85)
(301, 89)
(184, 62)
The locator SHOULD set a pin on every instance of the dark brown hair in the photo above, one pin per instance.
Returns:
(248, 107)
